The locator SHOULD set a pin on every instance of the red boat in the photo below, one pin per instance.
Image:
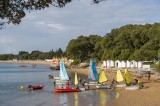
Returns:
(64, 90)
(37, 87)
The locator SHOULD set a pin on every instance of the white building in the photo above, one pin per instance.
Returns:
(139, 64)
(147, 64)
(118, 64)
(128, 64)
(105, 64)
(123, 64)
(110, 63)
(133, 64)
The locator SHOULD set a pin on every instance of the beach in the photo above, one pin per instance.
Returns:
(147, 96)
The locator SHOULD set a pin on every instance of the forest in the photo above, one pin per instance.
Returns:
(129, 42)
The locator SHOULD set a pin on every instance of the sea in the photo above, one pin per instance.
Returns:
(12, 76)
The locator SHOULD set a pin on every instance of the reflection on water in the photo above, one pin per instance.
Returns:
(76, 99)
(87, 98)
(102, 97)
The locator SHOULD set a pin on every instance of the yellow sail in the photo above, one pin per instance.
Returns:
(75, 79)
(128, 77)
(102, 77)
(119, 76)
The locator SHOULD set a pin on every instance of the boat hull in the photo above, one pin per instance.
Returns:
(38, 87)
(65, 90)
(103, 87)
(132, 88)
(121, 85)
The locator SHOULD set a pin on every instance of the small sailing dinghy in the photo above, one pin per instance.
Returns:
(92, 74)
(102, 79)
(119, 78)
(129, 80)
(81, 88)
(63, 76)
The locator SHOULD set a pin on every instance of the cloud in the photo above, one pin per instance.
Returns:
(6, 40)
(52, 25)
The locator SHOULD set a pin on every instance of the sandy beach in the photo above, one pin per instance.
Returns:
(148, 96)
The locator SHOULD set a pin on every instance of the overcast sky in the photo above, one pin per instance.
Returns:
(53, 28)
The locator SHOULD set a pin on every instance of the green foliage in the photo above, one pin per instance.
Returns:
(75, 62)
(158, 66)
(138, 42)
(34, 55)
(82, 48)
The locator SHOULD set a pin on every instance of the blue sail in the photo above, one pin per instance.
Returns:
(63, 73)
(93, 75)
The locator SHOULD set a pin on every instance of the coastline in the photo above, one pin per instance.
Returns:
(26, 62)
(148, 96)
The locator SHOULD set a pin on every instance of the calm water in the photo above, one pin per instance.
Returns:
(12, 77)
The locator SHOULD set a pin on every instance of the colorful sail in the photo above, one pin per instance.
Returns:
(102, 77)
(75, 79)
(128, 77)
(63, 74)
(92, 75)
(119, 76)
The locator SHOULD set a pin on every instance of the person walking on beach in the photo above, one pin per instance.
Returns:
(80, 80)
(149, 75)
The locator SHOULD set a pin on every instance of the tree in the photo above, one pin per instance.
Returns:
(82, 48)
(14, 10)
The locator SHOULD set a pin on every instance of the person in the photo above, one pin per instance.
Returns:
(67, 84)
(113, 82)
(135, 82)
(140, 84)
(80, 80)
(149, 75)
(29, 87)
(84, 81)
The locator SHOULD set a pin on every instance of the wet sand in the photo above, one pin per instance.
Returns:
(148, 96)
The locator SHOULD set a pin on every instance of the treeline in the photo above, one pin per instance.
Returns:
(34, 55)
(129, 42)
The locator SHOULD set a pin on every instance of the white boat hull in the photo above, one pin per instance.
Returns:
(62, 81)
(132, 88)
(95, 84)
(103, 87)
(121, 85)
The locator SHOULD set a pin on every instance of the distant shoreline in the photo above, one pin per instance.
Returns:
(26, 62)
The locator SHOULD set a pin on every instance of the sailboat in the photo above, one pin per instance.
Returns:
(119, 79)
(92, 74)
(128, 77)
(75, 79)
(76, 82)
(129, 80)
(63, 76)
(102, 79)
(67, 88)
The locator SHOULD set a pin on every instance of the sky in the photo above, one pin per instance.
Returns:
(53, 27)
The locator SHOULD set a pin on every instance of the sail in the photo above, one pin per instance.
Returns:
(92, 75)
(119, 76)
(63, 74)
(128, 77)
(75, 79)
(102, 77)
